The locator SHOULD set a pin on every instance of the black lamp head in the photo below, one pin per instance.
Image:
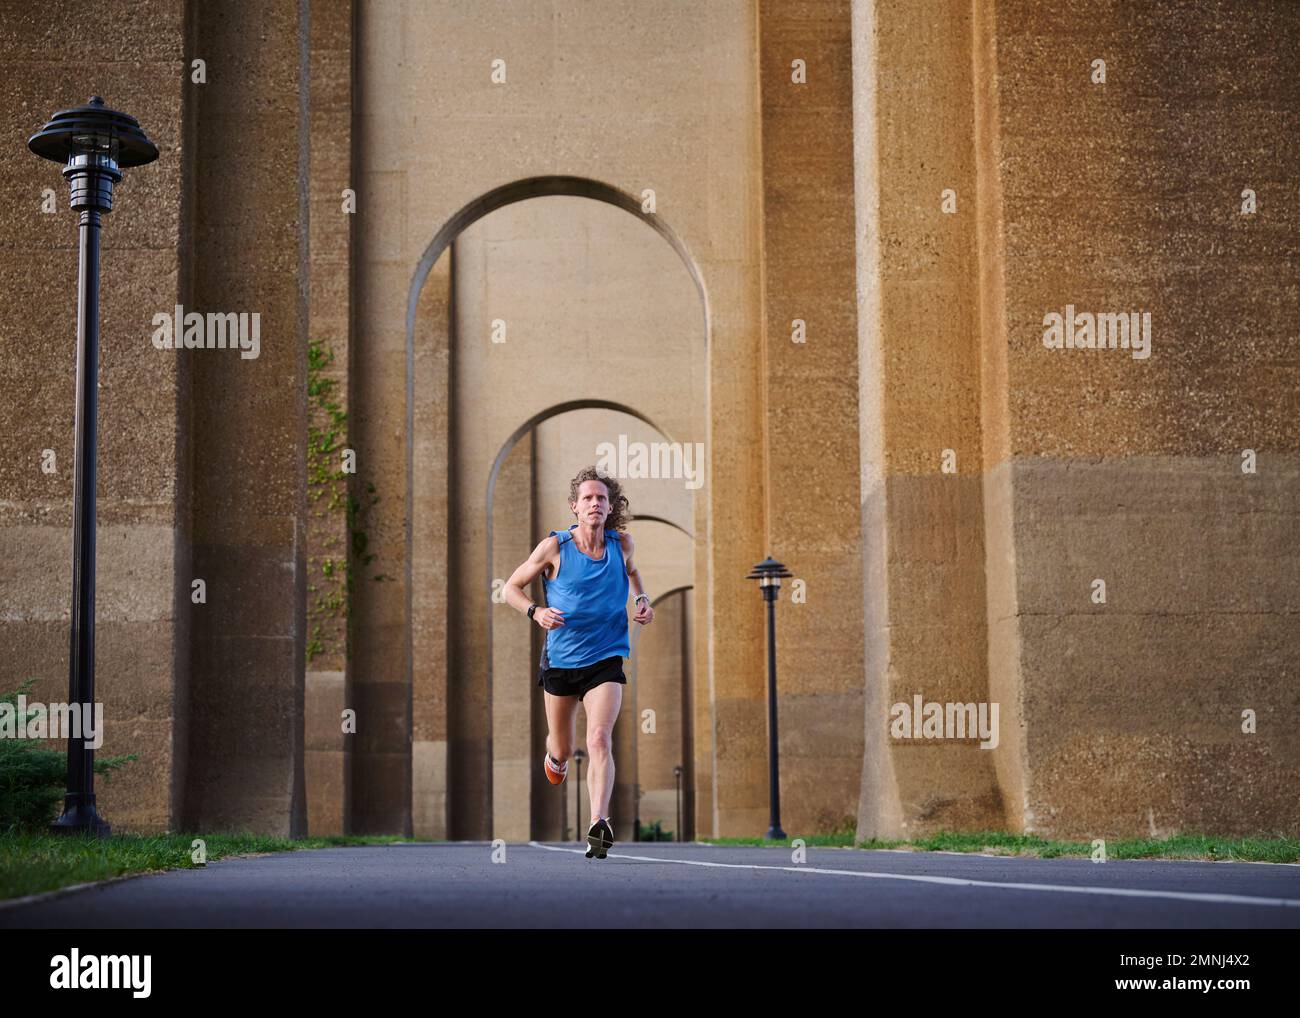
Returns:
(93, 143)
(93, 129)
(768, 573)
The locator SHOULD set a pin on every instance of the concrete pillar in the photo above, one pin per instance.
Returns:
(513, 667)
(328, 749)
(810, 411)
(395, 659)
(429, 556)
(922, 506)
(247, 425)
(548, 802)
(1127, 717)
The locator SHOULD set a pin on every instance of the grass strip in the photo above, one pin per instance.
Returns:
(1203, 847)
(31, 863)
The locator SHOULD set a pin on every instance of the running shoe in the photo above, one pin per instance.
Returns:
(600, 838)
(555, 773)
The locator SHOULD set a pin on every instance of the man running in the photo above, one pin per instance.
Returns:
(585, 572)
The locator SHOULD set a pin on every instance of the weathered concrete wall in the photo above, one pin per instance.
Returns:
(143, 594)
(247, 418)
(920, 414)
(1119, 197)
(214, 230)
(810, 442)
(327, 761)
(1116, 718)
(1067, 465)
(430, 549)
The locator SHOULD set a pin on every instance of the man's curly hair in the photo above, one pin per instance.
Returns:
(619, 516)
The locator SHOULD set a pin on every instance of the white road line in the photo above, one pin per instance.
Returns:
(1120, 892)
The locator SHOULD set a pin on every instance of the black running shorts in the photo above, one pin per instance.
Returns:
(577, 681)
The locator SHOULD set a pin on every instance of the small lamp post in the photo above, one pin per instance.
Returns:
(677, 775)
(94, 144)
(769, 573)
(579, 755)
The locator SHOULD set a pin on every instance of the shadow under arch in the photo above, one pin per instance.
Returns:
(471, 212)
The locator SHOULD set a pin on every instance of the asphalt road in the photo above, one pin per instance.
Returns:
(664, 885)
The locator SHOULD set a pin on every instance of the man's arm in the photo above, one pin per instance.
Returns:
(644, 613)
(528, 571)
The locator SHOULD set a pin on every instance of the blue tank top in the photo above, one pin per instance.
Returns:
(593, 596)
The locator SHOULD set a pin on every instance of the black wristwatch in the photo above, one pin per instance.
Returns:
(531, 608)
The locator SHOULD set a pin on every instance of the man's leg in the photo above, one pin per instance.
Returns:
(562, 720)
(602, 704)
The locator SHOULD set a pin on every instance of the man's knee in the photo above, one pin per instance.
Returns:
(599, 741)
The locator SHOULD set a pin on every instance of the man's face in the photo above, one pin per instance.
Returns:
(593, 502)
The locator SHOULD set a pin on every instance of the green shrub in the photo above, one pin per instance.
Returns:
(655, 833)
(33, 777)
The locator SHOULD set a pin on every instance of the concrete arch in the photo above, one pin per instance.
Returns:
(471, 212)
(521, 190)
(667, 523)
(547, 414)
(669, 593)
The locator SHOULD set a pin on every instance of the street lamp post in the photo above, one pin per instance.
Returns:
(769, 573)
(677, 776)
(94, 144)
(578, 756)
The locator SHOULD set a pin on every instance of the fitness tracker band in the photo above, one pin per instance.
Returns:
(531, 608)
